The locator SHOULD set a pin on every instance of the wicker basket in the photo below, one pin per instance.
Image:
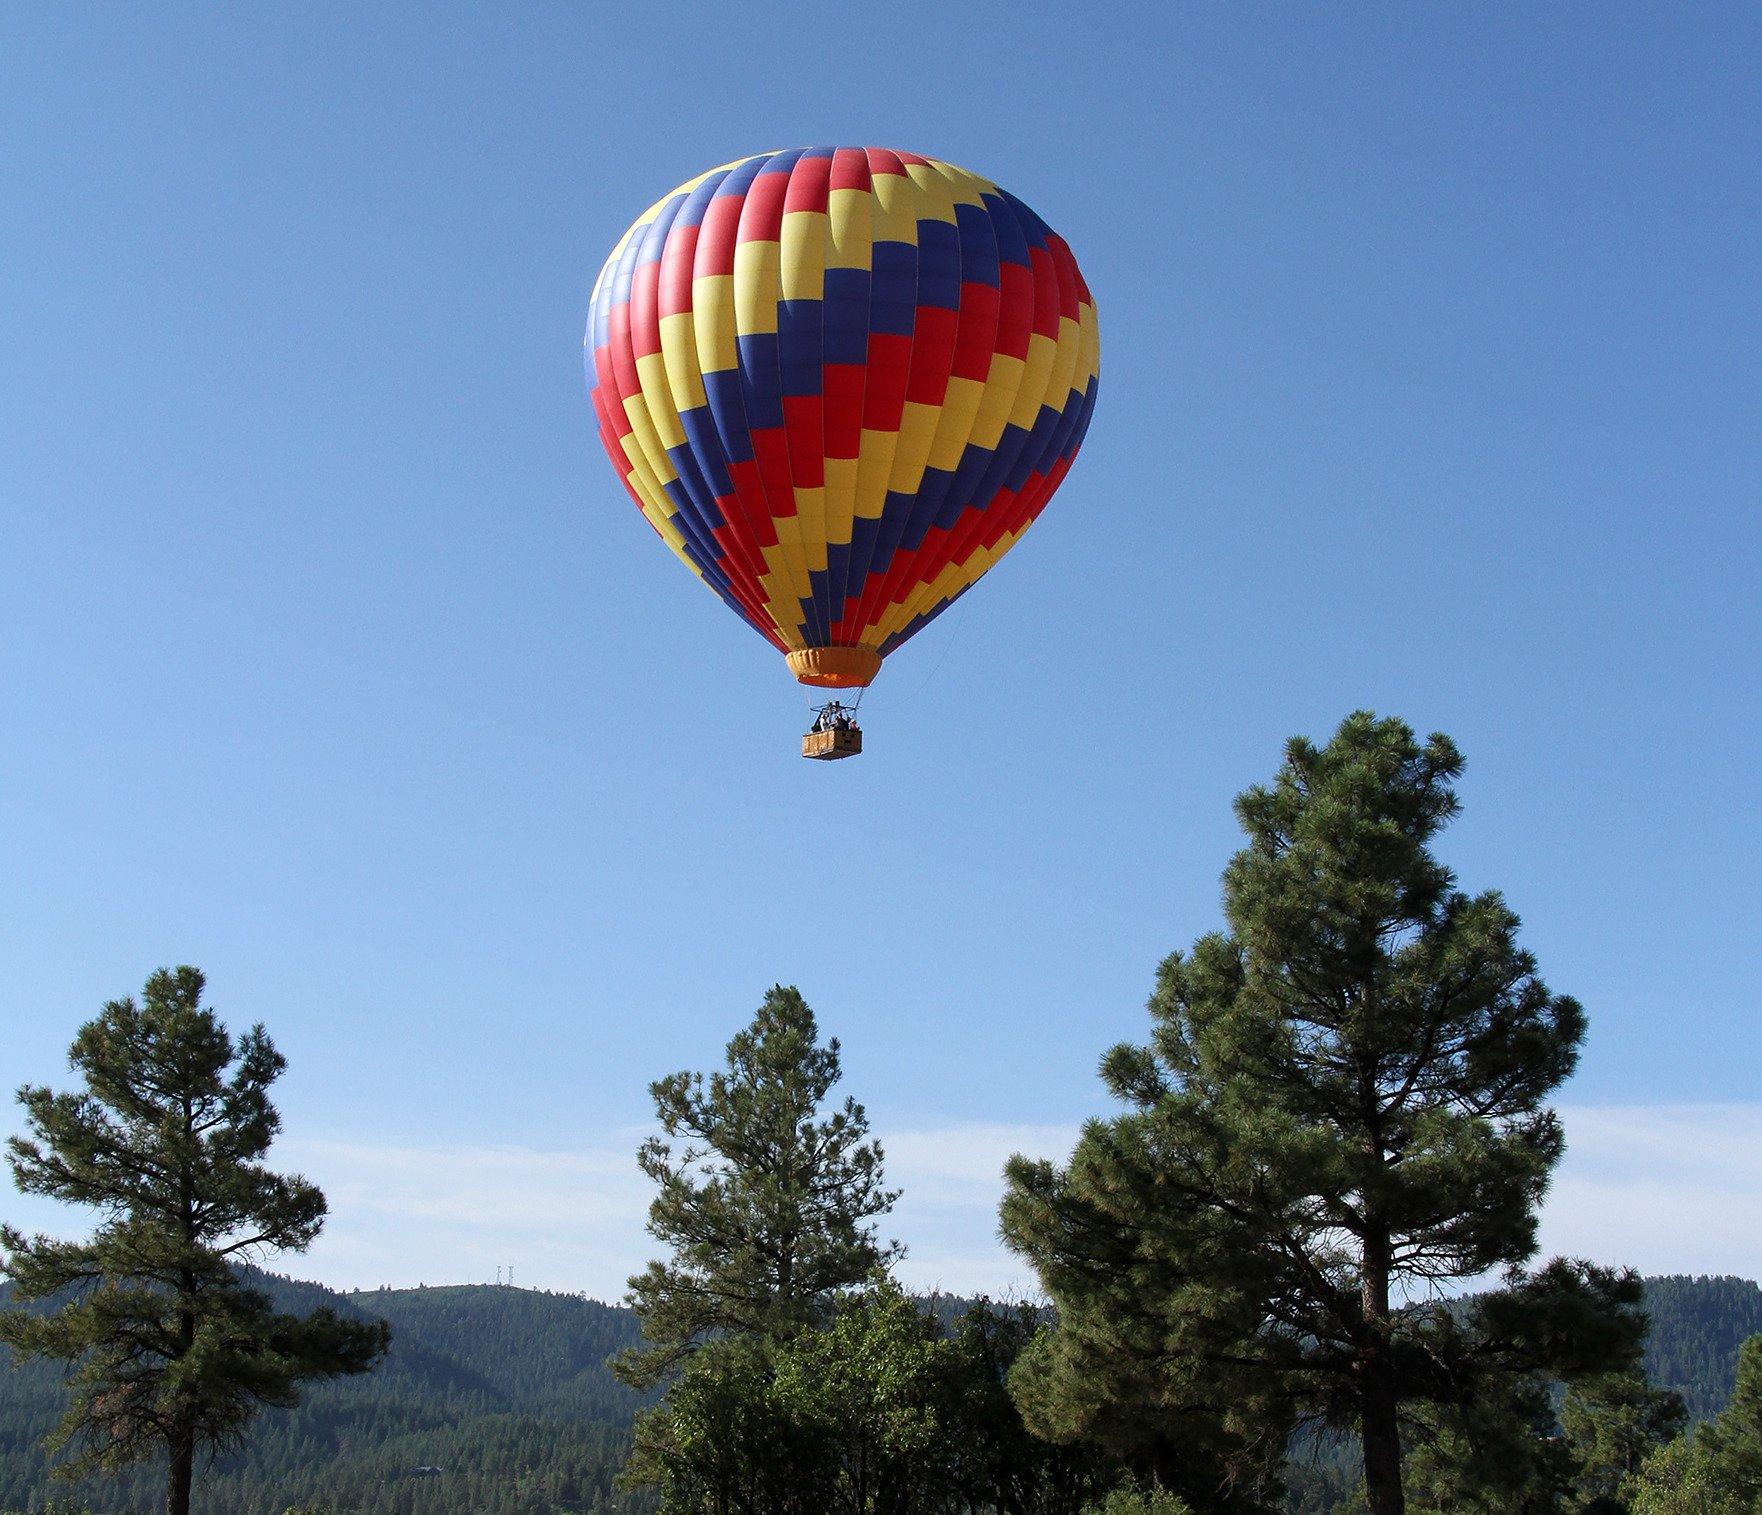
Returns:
(831, 745)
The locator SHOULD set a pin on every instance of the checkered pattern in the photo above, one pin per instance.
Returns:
(841, 383)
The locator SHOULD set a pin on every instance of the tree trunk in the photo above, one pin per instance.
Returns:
(1381, 1434)
(1379, 1428)
(182, 1475)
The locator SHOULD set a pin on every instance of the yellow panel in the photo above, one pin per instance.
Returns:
(757, 273)
(935, 194)
(679, 350)
(782, 602)
(810, 509)
(712, 314)
(841, 498)
(1036, 377)
(1064, 364)
(964, 188)
(651, 374)
(804, 254)
(1001, 385)
(875, 457)
(895, 212)
(954, 423)
(1089, 358)
(648, 459)
(917, 430)
(848, 221)
(642, 463)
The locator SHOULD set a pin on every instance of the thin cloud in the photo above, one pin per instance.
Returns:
(1665, 1188)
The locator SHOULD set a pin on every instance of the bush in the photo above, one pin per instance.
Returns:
(1132, 1500)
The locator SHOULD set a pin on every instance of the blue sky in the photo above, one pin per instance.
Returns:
(335, 661)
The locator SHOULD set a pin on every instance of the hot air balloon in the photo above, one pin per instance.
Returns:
(841, 383)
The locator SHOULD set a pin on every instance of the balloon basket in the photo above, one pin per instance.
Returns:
(834, 734)
(828, 746)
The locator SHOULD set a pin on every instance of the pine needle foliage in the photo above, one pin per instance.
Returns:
(765, 1198)
(1341, 1108)
(169, 1354)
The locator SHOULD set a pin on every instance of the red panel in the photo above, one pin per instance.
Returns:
(623, 361)
(808, 183)
(677, 258)
(850, 169)
(1070, 282)
(762, 215)
(890, 361)
(976, 337)
(606, 392)
(881, 161)
(1046, 296)
(716, 237)
(841, 387)
(749, 489)
(933, 339)
(771, 453)
(803, 424)
(1015, 312)
(645, 321)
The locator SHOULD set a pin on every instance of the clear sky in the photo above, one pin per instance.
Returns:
(334, 660)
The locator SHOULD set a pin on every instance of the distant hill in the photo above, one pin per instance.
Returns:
(1698, 1324)
(506, 1392)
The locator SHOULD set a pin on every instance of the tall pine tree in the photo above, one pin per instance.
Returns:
(1341, 1108)
(169, 1352)
(765, 1199)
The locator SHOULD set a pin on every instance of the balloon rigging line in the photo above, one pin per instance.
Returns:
(960, 614)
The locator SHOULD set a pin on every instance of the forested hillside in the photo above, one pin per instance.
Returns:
(505, 1392)
(1697, 1326)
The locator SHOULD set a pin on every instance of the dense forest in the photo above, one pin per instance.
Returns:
(506, 1393)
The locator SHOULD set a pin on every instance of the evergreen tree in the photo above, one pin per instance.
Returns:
(997, 1462)
(1499, 1456)
(169, 1351)
(1612, 1424)
(1718, 1470)
(766, 1201)
(1341, 1107)
(874, 1412)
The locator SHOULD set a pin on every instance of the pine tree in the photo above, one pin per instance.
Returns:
(1718, 1470)
(766, 1203)
(1612, 1424)
(1342, 1107)
(169, 1352)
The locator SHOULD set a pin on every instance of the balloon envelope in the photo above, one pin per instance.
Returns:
(841, 383)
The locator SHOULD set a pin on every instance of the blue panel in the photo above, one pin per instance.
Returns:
(728, 409)
(761, 381)
(939, 265)
(979, 245)
(1033, 228)
(741, 176)
(705, 446)
(698, 201)
(655, 238)
(799, 345)
(893, 287)
(1012, 242)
